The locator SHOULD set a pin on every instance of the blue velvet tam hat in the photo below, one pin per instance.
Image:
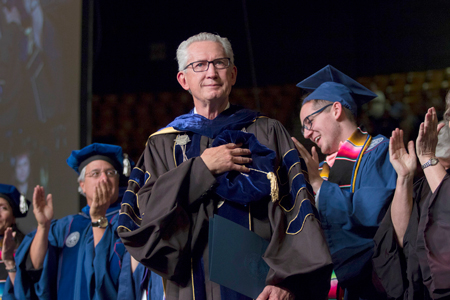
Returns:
(330, 84)
(96, 151)
(16, 200)
(260, 182)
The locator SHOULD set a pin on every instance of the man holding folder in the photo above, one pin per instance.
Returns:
(221, 159)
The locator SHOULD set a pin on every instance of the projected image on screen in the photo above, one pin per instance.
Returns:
(40, 44)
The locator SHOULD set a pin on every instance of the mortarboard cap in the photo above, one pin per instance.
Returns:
(260, 182)
(110, 153)
(330, 84)
(16, 200)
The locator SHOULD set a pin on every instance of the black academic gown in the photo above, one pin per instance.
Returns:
(176, 200)
(421, 269)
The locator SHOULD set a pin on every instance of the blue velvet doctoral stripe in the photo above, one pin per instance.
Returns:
(198, 273)
(129, 216)
(289, 197)
(288, 194)
(233, 211)
(235, 117)
(192, 149)
(138, 176)
(306, 209)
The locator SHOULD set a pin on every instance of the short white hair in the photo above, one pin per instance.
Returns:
(443, 144)
(81, 179)
(183, 53)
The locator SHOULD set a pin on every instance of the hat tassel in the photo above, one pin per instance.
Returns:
(126, 165)
(23, 206)
(273, 186)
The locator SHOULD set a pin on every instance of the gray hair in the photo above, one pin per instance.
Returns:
(447, 107)
(183, 53)
(80, 179)
(443, 144)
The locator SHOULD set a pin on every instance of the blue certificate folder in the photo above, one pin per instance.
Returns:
(235, 257)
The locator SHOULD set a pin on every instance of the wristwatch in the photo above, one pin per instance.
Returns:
(431, 162)
(102, 223)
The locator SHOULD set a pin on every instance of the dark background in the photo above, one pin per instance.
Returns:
(284, 41)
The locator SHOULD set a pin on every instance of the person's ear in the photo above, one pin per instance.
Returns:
(181, 77)
(233, 75)
(337, 110)
(82, 186)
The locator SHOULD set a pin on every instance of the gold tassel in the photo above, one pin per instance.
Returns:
(23, 206)
(126, 165)
(273, 186)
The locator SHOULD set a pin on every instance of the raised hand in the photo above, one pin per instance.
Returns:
(312, 163)
(428, 136)
(404, 162)
(101, 200)
(42, 206)
(9, 245)
(224, 158)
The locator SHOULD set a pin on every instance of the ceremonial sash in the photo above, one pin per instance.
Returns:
(346, 165)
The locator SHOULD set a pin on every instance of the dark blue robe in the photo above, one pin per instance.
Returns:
(351, 219)
(73, 268)
(133, 287)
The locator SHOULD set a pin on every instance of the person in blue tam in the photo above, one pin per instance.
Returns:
(354, 185)
(79, 256)
(12, 205)
(222, 159)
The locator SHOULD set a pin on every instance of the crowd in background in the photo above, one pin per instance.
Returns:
(403, 100)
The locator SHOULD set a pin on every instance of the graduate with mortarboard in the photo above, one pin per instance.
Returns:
(79, 256)
(355, 184)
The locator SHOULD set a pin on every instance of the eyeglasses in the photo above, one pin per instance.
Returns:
(203, 65)
(98, 173)
(307, 122)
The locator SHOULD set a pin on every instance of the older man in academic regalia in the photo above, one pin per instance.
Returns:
(79, 256)
(221, 159)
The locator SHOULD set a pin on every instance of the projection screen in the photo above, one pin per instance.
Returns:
(40, 96)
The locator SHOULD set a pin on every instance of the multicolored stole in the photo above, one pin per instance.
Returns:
(350, 153)
(343, 172)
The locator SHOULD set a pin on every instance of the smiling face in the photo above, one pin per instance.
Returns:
(213, 84)
(88, 185)
(324, 130)
(6, 215)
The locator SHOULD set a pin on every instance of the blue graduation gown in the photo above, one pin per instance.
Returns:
(350, 219)
(132, 287)
(73, 268)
